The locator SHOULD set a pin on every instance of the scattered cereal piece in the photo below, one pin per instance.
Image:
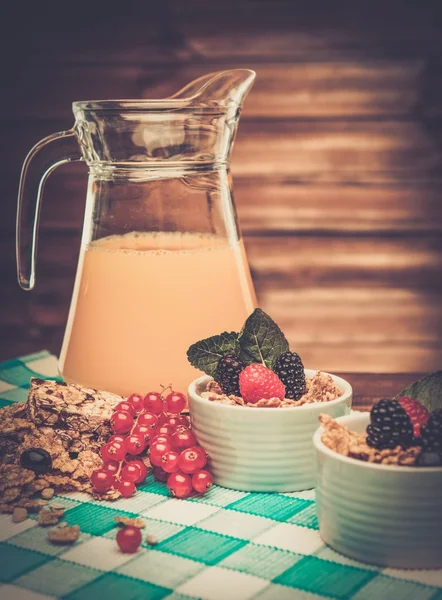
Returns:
(19, 514)
(57, 512)
(151, 540)
(48, 517)
(64, 535)
(62, 525)
(137, 522)
(47, 493)
(57, 506)
(11, 494)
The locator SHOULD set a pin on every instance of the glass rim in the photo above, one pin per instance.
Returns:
(140, 105)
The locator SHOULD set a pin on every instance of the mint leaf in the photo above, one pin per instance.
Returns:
(428, 391)
(206, 354)
(261, 340)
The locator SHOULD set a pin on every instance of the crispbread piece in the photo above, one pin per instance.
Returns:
(69, 407)
(70, 423)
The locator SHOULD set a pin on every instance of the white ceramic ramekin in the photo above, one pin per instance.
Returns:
(261, 449)
(380, 514)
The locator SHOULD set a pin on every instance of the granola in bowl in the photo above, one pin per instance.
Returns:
(257, 369)
(318, 388)
(339, 438)
(401, 431)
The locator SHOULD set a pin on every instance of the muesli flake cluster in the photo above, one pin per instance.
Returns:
(66, 422)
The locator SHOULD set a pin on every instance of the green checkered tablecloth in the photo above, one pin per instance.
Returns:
(227, 545)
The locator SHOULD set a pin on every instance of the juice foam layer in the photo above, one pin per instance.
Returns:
(159, 243)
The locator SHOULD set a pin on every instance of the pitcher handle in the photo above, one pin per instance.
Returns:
(44, 157)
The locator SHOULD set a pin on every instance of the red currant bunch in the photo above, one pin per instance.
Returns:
(152, 426)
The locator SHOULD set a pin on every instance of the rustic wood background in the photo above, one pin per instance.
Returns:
(337, 165)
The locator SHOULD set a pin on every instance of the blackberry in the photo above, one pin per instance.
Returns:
(37, 460)
(227, 374)
(431, 433)
(429, 459)
(390, 426)
(290, 370)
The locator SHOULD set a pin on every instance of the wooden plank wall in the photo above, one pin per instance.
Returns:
(337, 165)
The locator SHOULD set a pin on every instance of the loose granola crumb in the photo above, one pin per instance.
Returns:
(214, 386)
(151, 540)
(64, 535)
(19, 514)
(136, 522)
(48, 517)
(47, 493)
(57, 506)
(58, 512)
(62, 525)
(33, 505)
(340, 439)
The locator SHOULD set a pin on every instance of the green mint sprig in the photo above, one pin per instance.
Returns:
(428, 391)
(206, 354)
(260, 340)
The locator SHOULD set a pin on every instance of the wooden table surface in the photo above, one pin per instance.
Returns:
(370, 387)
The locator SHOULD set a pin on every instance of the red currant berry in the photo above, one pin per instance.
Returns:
(192, 459)
(111, 467)
(135, 444)
(113, 451)
(179, 484)
(126, 488)
(183, 439)
(126, 407)
(148, 419)
(160, 474)
(102, 480)
(157, 449)
(175, 402)
(116, 438)
(139, 464)
(202, 481)
(164, 429)
(162, 418)
(143, 431)
(177, 421)
(130, 472)
(153, 402)
(103, 453)
(129, 539)
(180, 428)
(121, 421)
(161, 438)
(137, 403)
(169, 461)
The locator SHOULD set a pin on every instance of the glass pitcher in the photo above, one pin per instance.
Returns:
(162, 263)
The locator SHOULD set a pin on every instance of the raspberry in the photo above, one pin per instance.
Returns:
(227, 374)
(417, 413)
(290, 370)
(431, 433)
(257, 381)
(390, 426)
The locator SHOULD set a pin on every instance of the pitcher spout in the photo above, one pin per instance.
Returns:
(223, 89)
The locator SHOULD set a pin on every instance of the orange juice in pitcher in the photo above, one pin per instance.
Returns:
(162, 263)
